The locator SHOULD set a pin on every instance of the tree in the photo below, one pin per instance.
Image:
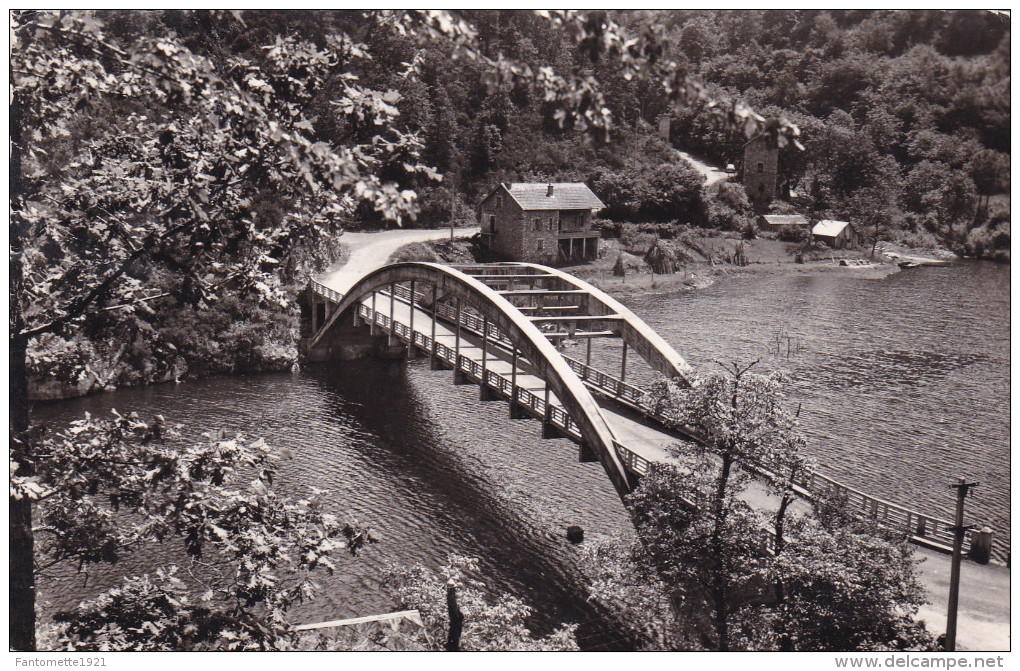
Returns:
(241, 158)
(707, 544)
(874, 210)
(623, 579)
(739, 419)
(847, 589)
(989, 170)
(111, 486)
(495, 624)
(92, 214)
(945, 193)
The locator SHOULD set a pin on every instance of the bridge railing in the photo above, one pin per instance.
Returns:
(322, 290)
(608, 384)
(885, 513)
(920, 526)
(632, 460)
(502, 384)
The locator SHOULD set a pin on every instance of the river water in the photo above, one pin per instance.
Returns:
(903, 384)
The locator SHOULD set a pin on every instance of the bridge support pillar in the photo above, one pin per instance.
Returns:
(487, 393)
(384, 350)
(550, 430)
(585, 454)
(435, 363)
(517, 411)
(460, 377)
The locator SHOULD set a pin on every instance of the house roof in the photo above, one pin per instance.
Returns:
(565, 196)
(829, 227)
(786, 219)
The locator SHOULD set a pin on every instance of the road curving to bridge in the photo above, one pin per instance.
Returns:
(370, 250)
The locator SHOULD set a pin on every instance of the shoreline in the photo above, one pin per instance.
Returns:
(701, 276)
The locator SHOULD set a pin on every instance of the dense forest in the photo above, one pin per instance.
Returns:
(904, 120)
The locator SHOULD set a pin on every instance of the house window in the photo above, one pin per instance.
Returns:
(537, 224)
(541, 244)
(499, 199)
(761, 167)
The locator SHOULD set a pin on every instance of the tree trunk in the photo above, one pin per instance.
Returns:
(785, 642)
(22, 576)
(719, 588)
(722, 626)
(780, 515)
(22, 551)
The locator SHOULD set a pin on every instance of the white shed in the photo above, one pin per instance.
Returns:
(836, 234)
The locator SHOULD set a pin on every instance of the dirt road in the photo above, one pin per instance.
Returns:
(371, 249)
(711, 173)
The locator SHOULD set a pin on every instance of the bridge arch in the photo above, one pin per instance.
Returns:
(658, 353)
(531, 342)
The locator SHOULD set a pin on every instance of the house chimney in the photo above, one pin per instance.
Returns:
(549, 191)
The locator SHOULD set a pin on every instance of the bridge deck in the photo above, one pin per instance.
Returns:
(531, 390)
(638, 443)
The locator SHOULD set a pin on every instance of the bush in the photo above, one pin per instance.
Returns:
(991, 241)
(727, 208)
(657, 193)
(661, 259)
(608, 229)
(794, 234)
(636, 241)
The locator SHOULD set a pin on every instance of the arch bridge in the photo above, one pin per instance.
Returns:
(502, 326)
(499, 326)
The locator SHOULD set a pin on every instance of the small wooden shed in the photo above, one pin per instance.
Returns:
(836, 234)
(777, 222)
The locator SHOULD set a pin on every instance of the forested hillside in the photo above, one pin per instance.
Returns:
(903, 119)
(904, 115)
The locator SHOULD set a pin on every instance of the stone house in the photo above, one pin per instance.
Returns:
(836, 234)
(761, 169)
(541, 223)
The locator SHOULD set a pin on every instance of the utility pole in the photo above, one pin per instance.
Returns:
(962, 488)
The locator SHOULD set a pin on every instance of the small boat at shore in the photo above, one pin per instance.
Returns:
(917, 261)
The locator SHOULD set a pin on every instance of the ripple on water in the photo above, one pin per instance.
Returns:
(903, 382)
(427, 465)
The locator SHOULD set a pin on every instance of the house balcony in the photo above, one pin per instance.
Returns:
(578, 234)
(582, 245)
